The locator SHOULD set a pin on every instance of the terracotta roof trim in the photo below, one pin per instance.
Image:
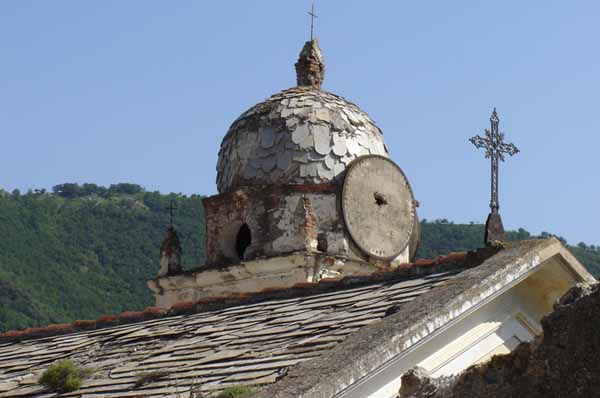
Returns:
(452, 262)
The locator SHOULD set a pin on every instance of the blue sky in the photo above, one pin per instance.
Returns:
(143, 91)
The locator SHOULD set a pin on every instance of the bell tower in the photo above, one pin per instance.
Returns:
(306, 192)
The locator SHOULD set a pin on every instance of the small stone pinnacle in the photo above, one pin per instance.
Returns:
(310, 69)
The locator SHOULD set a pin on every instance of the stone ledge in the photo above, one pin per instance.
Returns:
(452, 262)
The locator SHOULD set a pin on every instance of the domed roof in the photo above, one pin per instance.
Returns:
(302, 135)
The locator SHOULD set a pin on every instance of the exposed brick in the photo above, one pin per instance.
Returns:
(254, 205)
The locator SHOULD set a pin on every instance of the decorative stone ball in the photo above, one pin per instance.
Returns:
(302, 135)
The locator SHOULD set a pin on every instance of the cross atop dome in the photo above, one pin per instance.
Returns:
(310, 69)
(312, 20)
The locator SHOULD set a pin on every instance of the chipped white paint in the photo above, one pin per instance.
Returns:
(289, 217)
(463, 305)
(329, 223)
(507, 294)
(253, 276)
(325, 273)
(402, 258)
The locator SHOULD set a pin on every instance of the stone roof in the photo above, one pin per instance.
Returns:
(381, 342)
(251, 341)
(303, 135)
(290, 342)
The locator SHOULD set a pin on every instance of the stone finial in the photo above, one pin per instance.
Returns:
(170, 254)
(310, 69)
(494, 230)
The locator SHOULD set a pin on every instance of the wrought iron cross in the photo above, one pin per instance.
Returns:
(495, 148)
(312, 19)
(171, 209)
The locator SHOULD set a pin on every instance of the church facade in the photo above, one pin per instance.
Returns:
(310, 289)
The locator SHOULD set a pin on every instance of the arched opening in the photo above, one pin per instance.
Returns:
(322, 242)
(243, 240)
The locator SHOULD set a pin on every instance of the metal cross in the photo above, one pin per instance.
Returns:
(495, 148)
(312, 19)
(171, 208)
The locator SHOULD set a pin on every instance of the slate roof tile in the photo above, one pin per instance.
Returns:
(212, 344)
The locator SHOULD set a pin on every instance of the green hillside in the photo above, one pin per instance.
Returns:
(78, 255)
(442, 236)
(82, 251)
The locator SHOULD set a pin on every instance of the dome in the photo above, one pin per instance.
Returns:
(303, 135)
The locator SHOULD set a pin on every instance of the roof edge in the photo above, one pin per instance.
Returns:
(454, 261)
(367, 349)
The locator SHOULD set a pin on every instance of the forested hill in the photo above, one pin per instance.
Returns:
(442, 236)
(82, 251)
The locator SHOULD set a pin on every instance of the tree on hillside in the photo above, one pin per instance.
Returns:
(68, 190)
(125, 188)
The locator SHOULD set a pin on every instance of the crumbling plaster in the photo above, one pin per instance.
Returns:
(254, 276)
(562, 362)
(282, 219)
(297, 236)
(375, 353)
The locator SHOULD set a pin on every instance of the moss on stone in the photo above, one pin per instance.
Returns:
(237, 392)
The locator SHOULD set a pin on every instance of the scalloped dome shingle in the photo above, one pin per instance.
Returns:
(302, 135)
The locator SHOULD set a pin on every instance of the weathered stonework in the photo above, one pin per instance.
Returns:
(303, 135)
(281, 220)
(373, 350)
(277, 272)
(563, 362)
(494, 230)
(201, 348)
(299, 136)
(279, 177)
(310, 69)
(296, 235)
(170, 254)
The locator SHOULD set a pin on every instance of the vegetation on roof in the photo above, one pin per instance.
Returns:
(237, 392)
(149, 377)
(63, 376)
(82, 251)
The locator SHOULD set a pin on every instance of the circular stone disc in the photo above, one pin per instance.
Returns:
(378, 206)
